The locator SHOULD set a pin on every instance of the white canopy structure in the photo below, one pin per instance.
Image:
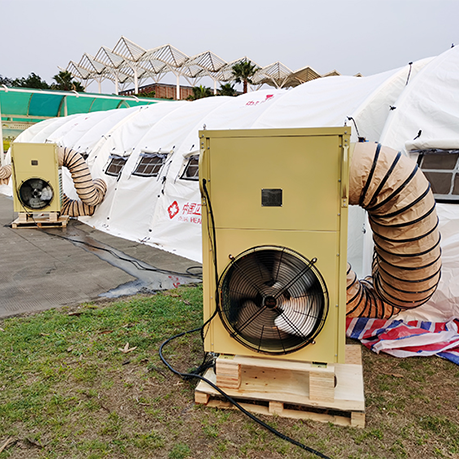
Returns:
(128, 64)
(148, 155)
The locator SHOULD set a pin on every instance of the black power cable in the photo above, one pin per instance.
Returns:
(213, 244)
(230, 399)
(196, 374)
(206, 364)
(130, 260)
(135, 262)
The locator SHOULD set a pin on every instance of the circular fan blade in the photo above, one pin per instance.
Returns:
(299, 316)
(35, 193)
(273, 300)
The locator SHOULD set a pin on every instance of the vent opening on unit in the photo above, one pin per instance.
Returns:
(273, 300)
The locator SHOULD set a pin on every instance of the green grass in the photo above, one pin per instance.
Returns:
(55, 366)
(68, 391)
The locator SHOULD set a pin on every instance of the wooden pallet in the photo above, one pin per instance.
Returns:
(286, 391)
(50, 220)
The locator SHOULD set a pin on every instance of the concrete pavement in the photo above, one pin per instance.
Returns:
(52, 267)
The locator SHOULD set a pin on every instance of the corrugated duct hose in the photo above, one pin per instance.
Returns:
(5, 174)
(91, 192)
(401, 209)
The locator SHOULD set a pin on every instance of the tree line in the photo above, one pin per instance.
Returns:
(241, 73)
(62, 81)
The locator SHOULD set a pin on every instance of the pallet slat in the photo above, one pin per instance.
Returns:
(343, 418)
(285, 392)
(40, 221)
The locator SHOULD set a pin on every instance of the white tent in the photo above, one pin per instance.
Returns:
(429, 109)
(164, 211)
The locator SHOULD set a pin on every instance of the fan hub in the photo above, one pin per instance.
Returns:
(270, 302)
(35, 193)
(273, 300)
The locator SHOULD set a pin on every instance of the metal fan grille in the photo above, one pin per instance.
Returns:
(273, 300)
(36, 193)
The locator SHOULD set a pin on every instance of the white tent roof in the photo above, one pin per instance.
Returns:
(390, 107)
(428, 104)
(137, 207)
(428, 109)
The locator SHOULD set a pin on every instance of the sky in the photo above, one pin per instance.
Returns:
(352, 36)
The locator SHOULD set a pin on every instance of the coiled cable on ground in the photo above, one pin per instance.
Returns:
(230, 399)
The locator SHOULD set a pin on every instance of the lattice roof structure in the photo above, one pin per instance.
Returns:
(302, 76)
(275, 74)
(128, 49)
(130, 64)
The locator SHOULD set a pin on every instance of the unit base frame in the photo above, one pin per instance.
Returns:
(298, 390)
(44, 220)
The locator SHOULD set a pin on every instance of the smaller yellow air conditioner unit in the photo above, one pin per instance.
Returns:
(37, 179)
(275, 242)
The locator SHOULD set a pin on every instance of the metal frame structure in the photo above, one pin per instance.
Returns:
(22, 107)
(130, 64)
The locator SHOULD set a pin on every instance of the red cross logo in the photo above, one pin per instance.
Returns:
(173, 209)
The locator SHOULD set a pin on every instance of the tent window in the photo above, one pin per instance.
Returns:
(439, 161)
(150, 164)
(441, 182)
(115, 165)
(441, 168)
(191, 171)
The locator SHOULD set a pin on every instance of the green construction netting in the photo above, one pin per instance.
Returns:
(22, 103)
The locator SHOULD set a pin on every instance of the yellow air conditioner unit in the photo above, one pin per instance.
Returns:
(37, 181)
(275, 242)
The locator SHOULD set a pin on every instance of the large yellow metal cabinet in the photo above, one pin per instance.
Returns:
(307, 170)
(35, 166)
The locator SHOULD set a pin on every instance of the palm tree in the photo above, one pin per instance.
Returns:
(64, 81)
(243, 72)
(200, 92)
(227, 89)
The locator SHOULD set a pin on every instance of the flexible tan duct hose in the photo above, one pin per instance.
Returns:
(5, 174)
(91, 192)
(401, 208)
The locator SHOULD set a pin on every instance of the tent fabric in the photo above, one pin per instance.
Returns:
(427, 113)
(428, 104)
(174, 126)
(404, 339)
(164, 211)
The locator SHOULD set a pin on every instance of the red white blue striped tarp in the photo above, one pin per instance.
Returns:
(407, 339)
